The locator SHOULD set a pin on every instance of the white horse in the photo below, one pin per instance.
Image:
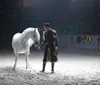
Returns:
(22, 42)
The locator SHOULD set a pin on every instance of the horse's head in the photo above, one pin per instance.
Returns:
(36, 37)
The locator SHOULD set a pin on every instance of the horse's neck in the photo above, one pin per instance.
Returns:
(25, 37)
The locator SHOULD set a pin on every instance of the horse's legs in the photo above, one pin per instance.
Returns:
(16, 56)
(27, 59)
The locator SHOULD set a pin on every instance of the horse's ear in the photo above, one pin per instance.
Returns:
(35, 30)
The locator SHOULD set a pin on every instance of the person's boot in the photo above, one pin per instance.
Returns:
(52, 71)
(44, 64)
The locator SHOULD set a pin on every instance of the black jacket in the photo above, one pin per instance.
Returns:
(50, 38)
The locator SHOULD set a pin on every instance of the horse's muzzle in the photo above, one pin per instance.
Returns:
(37, 44)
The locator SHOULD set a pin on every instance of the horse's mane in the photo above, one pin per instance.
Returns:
(28, 29)
(37, 33)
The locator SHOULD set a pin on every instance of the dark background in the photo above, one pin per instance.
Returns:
(68, 17)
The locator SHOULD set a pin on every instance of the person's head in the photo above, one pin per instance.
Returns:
(46, 26)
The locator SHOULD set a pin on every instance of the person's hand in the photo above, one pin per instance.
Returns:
(56, 48)
(39, 48)
(36, 46)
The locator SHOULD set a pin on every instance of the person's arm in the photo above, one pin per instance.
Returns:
(56, 39)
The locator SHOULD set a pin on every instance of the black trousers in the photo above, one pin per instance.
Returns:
(52, 49)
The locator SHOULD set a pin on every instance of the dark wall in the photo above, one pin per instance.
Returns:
(67, 17)
(97, 16)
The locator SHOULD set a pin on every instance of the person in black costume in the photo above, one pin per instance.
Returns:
(50, 41)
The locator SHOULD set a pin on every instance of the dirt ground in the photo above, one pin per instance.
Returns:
(71, 69)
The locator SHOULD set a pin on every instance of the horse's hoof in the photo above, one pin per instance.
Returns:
(27, 69)
(28, 66)
(13, 69)
(41, 71)
(52, 72)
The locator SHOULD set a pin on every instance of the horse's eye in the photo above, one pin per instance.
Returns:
(34, 35)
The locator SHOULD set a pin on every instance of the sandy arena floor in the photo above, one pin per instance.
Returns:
(72, 69)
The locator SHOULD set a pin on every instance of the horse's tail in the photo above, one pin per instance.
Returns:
(15, 38)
